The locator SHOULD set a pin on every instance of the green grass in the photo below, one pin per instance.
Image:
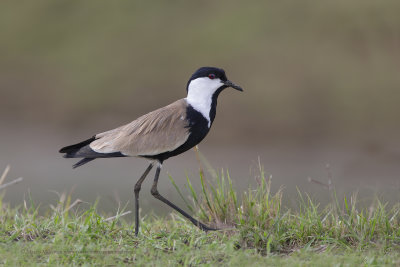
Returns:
(257, 230)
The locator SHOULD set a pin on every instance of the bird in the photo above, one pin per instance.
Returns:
(161, 134)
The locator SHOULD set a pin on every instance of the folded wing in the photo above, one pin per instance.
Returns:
(160, 131)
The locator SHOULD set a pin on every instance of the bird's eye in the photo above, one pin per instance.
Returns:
(211, 76)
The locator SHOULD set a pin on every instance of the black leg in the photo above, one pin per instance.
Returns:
(138, 186)
(157, 195)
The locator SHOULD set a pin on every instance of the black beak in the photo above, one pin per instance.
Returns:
(228, 83)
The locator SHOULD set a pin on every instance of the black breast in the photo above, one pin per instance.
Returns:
(198, 129)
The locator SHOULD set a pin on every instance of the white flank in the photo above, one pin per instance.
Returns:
(200, 92)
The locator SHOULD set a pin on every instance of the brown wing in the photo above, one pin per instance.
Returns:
(159, 131)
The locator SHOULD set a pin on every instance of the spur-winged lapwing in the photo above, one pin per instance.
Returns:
(161, 134)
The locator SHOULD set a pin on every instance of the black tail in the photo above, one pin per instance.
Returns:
(82, 162)
(73, 152)
(83, 150)
(75, 148)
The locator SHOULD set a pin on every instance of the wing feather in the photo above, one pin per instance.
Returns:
(159, 131)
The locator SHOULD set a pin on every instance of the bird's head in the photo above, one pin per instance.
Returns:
(206, 81)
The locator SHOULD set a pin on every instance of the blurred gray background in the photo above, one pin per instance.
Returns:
(321, 81)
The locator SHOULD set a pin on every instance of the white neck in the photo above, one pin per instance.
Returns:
(200, 93)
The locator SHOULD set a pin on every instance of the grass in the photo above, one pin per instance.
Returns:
(257, 229)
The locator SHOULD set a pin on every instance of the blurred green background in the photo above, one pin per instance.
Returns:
(310, 68)
(315, 73)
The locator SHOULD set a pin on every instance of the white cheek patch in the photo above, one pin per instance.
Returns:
(200, 93)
